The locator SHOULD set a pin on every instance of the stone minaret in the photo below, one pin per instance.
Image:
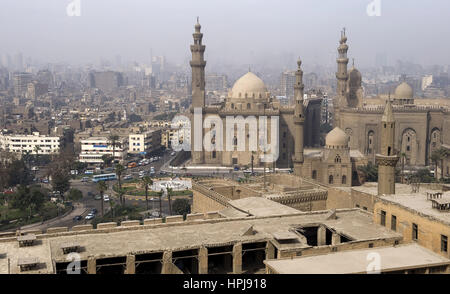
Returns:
(342, 77)
(198, 64)
(388, 158)
(299, 119)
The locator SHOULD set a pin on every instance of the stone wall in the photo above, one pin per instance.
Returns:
(429, 229)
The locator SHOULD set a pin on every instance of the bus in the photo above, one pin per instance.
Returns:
(104, 177)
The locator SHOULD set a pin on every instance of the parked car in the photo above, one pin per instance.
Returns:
(89, 216)
(85, 179)
(77, 218)
(127, 177)
(132, 165)
(173, 153)
(105, 198)
(93, 211)
(98, 197)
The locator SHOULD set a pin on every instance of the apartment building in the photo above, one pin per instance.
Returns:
(31, 144)
(93, 149)
(144, 143)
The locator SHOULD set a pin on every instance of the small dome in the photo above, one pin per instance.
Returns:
(354, 73)
(337, 138)
(251, 85)
(404, 91)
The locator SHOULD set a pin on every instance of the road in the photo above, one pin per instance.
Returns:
(87, 203)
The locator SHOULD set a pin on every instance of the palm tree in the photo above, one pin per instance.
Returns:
(113, 140)
(102, 187)
(160, 202)
(119, 170)
(435, 158)
(146, 182)
(169, 193)
(403, 157)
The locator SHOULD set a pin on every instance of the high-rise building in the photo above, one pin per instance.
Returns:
(287, 84)
(106, 81)
(20, 82)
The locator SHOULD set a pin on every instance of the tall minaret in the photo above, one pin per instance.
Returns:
(342, 77)
(388, 158)
(198, 64)
(299, 119)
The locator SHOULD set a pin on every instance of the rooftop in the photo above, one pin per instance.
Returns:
(357, 261)
(120, 241)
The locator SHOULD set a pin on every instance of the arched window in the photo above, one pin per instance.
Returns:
(248, 106)
(235, 141)
(330, 179)
(314, 174)
(370, 142)
(337, 159)
(344, 179)
(214, 154)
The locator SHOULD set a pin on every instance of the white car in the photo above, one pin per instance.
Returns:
(89, 216)
(105, 198)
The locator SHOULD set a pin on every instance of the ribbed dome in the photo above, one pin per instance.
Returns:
(404, 91)
(354, 73)
(337, 138)
(249, 84)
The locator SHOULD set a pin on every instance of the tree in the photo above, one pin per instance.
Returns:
(181, 206)
(75, 195)
(146, 182)
(113, 140)
(160, 201)
(370, 172)
(60, 180)
(102, 187)
(169, 193)
(119, 171)
(107, 159)
(18, 173)
(27, 199)
(403, 158)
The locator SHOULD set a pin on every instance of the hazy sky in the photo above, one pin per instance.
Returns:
(235, 31)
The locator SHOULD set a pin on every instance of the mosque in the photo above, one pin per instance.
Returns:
(355, 140)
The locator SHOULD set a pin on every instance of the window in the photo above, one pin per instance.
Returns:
(344, 180)
(337, 159)
(383, 218)
(415, 232)
(444, 243)
(214, 154)
(314, 174)
(357, 205)
(330, 179)
(393, 223)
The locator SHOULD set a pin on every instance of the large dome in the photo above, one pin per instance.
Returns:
(337, 138)
(404, 91)
(249, 86)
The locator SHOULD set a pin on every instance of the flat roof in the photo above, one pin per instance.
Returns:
(354, 223)
(259, 206)
(357, 261)
(419, 203)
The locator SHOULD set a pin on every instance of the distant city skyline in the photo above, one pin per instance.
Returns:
(248, 32)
